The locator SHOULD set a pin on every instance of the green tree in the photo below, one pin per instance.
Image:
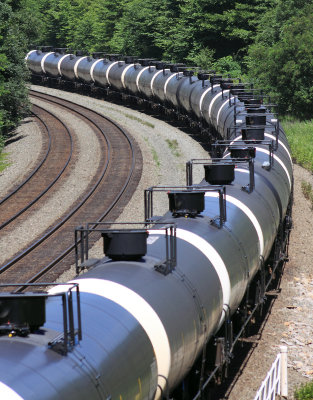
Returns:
(282, 60)
(13, 92)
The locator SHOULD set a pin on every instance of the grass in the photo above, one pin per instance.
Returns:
(3, 161)
(139, 120)
(300, 138)
(307, 192)
(305, 392)
(154, 153)
(173, 145)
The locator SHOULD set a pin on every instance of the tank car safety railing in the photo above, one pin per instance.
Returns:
(82, 233)
(72, 332)
(217, 161)
(272, 125)
(269, 143)
(220, 189)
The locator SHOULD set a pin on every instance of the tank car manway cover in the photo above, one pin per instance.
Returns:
(6, 393)
(141, 311)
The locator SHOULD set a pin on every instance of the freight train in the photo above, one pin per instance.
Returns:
(142, 322)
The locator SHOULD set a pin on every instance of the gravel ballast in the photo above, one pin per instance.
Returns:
(290, 321)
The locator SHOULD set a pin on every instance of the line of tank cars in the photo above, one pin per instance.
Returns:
(165, 294)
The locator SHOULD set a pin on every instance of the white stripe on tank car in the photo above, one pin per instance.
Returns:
(271, 137)
(219, 111)
(7, 393)
(43, 61)
(214, 99)
(211, 254)
(152, 80)
(141, 310)
(138, 77)
(235, 140)
(93, 68)
(167, 81)
(108, 70)
(29, 53)
(124, 73)
(202, 97)
(279, 142)
(60, 61)
(276, 158)
(76, 66)
(246, 210)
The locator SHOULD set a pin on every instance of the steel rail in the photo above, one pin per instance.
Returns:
(19, 213)
(36, 168)
(56, 227)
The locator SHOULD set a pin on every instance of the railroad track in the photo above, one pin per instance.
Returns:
(57, 156)
(109, 190)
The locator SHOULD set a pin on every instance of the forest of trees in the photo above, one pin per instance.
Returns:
(268, 42)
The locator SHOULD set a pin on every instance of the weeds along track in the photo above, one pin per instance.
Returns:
(108, 190)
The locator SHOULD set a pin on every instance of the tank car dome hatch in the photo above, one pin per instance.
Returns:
(46, 49)
(178, 67)
(255, 123)
(160, 65)
(114, 57)
(237, 89)
(219, 173)
(256, 134)
(216, 79)
(188, 73)
(242, 152)
(145, 62)
(126, 245)
(97, 55)
(245, 96)
(130, 59)
(186, 204)
(226, 84)
(252, 102)
(60, 50)
(255, 118)
(203, 76)
(23, 313)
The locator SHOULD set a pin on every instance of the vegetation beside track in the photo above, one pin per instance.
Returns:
(300, 135)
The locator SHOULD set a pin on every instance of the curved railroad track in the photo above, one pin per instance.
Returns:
(57, 156)
(108, 191)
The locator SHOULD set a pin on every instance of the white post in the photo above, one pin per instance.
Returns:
(283, 373)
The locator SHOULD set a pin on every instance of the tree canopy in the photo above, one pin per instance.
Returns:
(13, 74)
(282, 56)
(270, 41)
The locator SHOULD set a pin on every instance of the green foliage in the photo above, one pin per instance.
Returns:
(13, 93)
(282, 58)
(305, 392)
(307, 191)
(227, 65)
(269, 39)
(300, 138)
(176, 30)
